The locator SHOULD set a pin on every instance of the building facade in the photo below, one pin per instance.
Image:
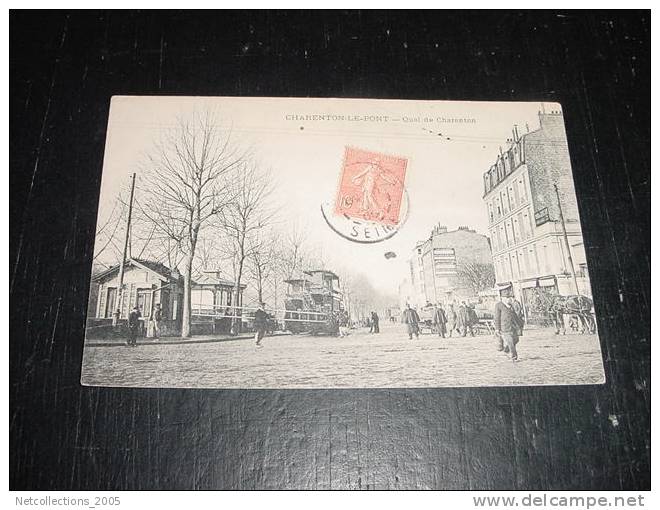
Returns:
(212, 292)
(437, 266)
(529, 250)
(147, 284)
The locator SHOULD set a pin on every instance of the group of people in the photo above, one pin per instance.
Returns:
(134, 324)
(460, 320)
(508, 323)
(372, 321)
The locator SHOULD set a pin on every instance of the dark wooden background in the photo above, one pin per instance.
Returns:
(63, 70)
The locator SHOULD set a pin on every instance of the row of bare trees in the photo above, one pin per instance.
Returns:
(203, 202)
(197, 188)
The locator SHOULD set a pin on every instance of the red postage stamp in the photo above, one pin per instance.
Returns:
(371, 186)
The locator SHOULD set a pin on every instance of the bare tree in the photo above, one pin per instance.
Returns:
(109, 233)
(184, 186)
(263, 260)
(244, 217)
(292, 255)
(476, 276)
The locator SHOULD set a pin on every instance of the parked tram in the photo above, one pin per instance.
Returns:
(313, 302)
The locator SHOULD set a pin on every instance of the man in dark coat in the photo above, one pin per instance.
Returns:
(411, 320)
(464, 319)
(260, 323)
(440, 320)
(133, 326)
(375, 326)
(508, 326)
(472, 319)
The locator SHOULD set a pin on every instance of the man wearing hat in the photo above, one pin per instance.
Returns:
(260, 323)
(508, 326)
(133, 326)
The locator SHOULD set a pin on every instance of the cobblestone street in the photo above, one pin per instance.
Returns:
(386, 360)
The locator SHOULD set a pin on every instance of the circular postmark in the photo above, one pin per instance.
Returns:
(363, 231)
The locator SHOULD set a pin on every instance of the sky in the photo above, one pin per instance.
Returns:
(444, 177)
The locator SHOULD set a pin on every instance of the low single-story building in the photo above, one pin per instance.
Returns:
(148, 283)
(211, 291)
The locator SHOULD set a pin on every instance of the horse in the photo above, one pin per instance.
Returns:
(575, 305)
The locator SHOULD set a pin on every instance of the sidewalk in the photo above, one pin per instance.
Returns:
(177, 340)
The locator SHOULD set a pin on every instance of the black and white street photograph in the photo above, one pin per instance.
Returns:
(310, 243)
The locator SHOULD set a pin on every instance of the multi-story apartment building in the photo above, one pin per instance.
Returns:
(436, 263)
(527, 238)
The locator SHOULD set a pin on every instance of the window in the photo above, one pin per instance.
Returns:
(521, 227)
(512, 198)
(504, 202)
(144, 302)
(523, 188)
(110, 302)
(516, 230)
(516, 155)
(516, 194)
(516, 265)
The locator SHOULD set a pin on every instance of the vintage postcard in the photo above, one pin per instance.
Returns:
(338, 243)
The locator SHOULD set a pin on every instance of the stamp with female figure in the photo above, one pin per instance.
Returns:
(371, 186)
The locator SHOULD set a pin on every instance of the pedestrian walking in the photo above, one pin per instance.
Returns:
(375, 323)
(507, 325)
(133, 326)
(473, 319)
(440, 320)
(343, 323)
(451, 320)
(411, 320)
(156, 321)
(463, 319)
(260, 323)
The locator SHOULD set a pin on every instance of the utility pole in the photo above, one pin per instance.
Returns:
(120, 287)
(568, 247)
